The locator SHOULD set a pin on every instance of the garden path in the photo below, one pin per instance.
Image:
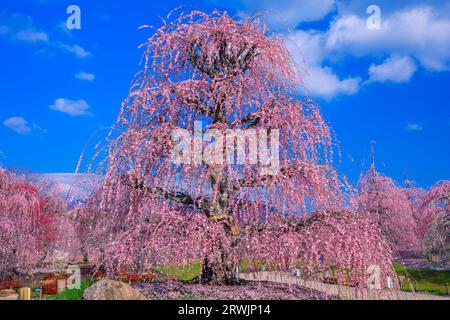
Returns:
(343, 292)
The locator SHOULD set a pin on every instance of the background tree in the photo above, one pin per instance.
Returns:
(436, 221)
(28, 223)
(416, 197)
(228, 74)
(88, 223)
(389, 206)
(437, 239)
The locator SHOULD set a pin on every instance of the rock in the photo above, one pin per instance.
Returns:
(107, 289)
(11, 297)
(9, 294)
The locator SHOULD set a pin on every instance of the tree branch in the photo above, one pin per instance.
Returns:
(254, 118)
(264, 181)
(180, 197)
(203, 109)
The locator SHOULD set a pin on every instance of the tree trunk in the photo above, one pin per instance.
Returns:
(214, 273)
(85, 256)
(219, 184)
(221, 271)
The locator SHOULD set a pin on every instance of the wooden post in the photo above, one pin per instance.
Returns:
(61, 285)
(25, 293)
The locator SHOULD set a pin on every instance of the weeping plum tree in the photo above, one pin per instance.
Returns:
(435, 201)
(168, 204)
(391, 208)
(416, 197)
(435, 223)
(87, 222)
(28, 223)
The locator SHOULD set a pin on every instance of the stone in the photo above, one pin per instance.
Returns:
(107, 289)
(9, 294)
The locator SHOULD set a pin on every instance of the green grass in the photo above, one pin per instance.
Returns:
(184, 273)
(432, 281)
(74, 294)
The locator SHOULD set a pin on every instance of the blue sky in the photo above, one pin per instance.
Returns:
(60, 86)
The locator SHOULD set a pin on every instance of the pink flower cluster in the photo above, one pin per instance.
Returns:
(28, 223)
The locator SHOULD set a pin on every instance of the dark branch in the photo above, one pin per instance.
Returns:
(203, 109)
(254, 118)
(180, 197)
(252, 182)
(264, 181)
(224, 63)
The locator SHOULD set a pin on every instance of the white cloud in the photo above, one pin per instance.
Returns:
(290, 12)
(18, 125)
(322, 82)
(76, 50)
(19, 27)
(394, 69)
(414, 127)
(31, 36)
(420, 32)
(85, 76)
(411, 36)
(408, 35)
(308, 50)
(71, 107)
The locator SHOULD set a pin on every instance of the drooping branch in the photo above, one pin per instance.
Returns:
(179, 197)
(252, 182)
(253, 119)
(185, 199)
(190, 101)
(265, 181)
(202, 108)
(225, 63)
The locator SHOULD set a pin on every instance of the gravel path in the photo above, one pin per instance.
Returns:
(342, 292)
(246, 291)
